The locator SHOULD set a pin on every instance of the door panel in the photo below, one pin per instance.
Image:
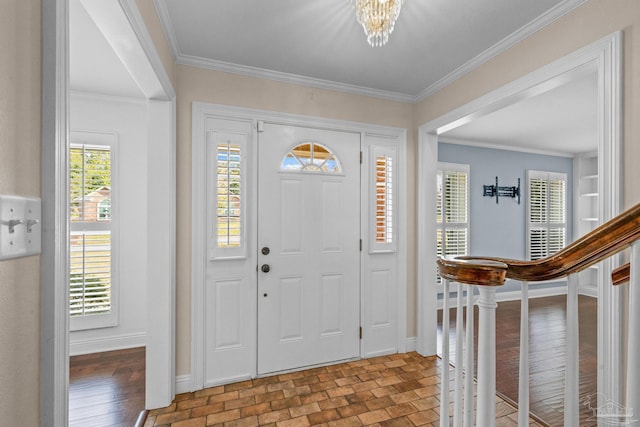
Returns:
(309, 296)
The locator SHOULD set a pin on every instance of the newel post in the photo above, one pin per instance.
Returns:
(486, 356)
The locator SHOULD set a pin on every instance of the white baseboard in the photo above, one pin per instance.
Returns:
(411, 344)
(98, 345)
(183, 384)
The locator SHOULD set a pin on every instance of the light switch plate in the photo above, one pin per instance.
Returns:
(20, 226)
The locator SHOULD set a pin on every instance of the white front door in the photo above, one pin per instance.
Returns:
(308, 247)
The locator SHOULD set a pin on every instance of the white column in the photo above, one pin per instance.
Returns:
(457, 400)
(523, 382)
(571, 395)
(633, 341)
(444, 383)
(469, 368)
(486, 357)
(161, 256)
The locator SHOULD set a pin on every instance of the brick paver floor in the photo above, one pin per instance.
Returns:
(395, 390)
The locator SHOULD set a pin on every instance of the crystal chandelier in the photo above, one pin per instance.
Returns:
(377, 17)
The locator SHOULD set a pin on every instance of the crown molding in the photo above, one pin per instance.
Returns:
(243, 70)
(503, 45)
(248, 71)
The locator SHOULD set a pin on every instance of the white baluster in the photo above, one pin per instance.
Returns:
(487, 357)
(571, 395)
(457, 400)
(632, 403)
(444, 382)
(468, 379)
(523, 382)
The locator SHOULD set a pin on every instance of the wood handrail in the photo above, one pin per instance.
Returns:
(601, 243)
(621, 274)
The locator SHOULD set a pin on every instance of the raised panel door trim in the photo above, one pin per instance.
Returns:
(381, 280)
(227, 317)
(291, 324)
(331, 304)
(291, 221)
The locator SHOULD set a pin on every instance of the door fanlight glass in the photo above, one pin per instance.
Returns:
(311, 157)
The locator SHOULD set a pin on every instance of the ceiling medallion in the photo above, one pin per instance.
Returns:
(377, 18)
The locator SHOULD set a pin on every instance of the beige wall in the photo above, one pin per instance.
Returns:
(19, 175)
(588, 23)
(196, 84)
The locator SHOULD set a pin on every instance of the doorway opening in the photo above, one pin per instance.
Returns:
(603, 56)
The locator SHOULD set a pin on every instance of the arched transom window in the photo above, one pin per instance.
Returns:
(311, 157)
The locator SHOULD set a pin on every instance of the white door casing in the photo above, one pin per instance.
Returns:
(225, 291)
(308, 248)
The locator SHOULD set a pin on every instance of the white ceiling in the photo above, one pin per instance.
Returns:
(319, 43)
(562, 121)
(322, 40)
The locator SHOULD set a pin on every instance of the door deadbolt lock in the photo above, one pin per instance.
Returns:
(265, 268)
(265, 250)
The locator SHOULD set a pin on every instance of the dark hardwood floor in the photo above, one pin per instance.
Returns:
(106, 389)
(547, 325)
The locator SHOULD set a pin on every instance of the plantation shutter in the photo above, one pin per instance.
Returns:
(452, 210)
(229, 193)
(547, 213)
(383, 199)
(90, 240)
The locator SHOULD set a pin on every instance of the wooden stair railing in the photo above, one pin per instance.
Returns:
(621, 274)
(488, 273)
(603, 242)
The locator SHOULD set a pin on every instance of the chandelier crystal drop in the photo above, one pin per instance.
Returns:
(377, 18)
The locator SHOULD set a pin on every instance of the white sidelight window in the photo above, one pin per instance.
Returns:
(383, 199)
(228, 184)
(452, 210)
(227, 193)
(91, 243)
(546, 213)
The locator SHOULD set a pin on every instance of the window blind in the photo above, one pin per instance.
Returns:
(90, 243)
(547, 213)
(384, 199)
(452, 210)
(229, 195)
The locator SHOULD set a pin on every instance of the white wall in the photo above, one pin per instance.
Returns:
(128, 119)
